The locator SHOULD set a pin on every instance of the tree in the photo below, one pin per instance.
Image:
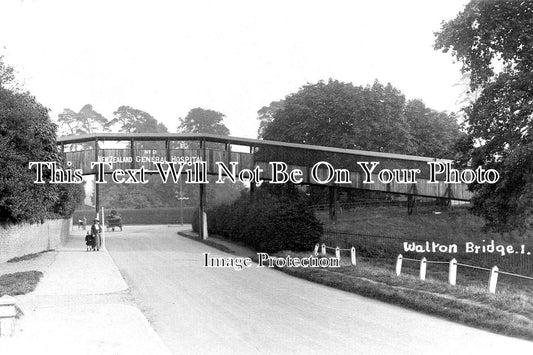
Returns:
(434, 134)
(199, 120)
(266, 115)
(492, 40)
(339, 114)
(7, 75)
(86, 121)
(486, 32)
(374, 118)
(28, 135)
(132, 120)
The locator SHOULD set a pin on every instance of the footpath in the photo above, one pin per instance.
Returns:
(82, 305)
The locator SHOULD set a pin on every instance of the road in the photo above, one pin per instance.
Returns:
(198, 310)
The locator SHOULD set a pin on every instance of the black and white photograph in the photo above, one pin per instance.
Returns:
(266, 177)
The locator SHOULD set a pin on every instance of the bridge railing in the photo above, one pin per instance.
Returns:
(145, 150)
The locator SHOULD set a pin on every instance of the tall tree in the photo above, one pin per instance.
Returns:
(373, 118)
(28, 135)
(199, 120)
(86, 121)
(434, 134)
(492, 40)
(7, 75)
(266, 115)
(131, 120)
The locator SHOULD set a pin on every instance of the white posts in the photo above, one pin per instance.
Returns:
(423, 265)
(399, 264)
(452, 275)
(493, 279)
(353, 258)
(204, 225)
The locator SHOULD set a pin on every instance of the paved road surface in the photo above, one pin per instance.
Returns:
(199, 310)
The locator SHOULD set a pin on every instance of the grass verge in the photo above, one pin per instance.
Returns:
(28, 256)
(19, 283)
(454, 224)
(508, 312)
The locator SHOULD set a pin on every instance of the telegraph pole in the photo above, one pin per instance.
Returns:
(181, 198)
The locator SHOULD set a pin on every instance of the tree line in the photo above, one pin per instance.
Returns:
(375, 117)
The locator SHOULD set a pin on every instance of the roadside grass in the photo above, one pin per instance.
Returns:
(453, 225)
(19, 283)
(381, 232)
(209, 242)
(28, 256)
(508, 312)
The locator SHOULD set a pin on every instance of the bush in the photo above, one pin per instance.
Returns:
(269, 221)
(27, 134)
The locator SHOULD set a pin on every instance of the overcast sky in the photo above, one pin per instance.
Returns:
(167, 57)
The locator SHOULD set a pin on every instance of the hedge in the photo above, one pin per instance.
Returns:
(266, 222)
(142, 216)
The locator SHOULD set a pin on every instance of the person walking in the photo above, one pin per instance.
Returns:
(96, 231)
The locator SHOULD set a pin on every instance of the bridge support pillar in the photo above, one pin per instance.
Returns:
(202, 218)
(97, 197)
(333, 203)
(96, 177)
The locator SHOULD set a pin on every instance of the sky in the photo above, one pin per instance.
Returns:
(168, 57)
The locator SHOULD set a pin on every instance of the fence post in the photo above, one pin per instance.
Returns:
(493, 279)
(315, 252)
(452, 275)
(323, 251)
(354, 261)
(399, 264)
(423, 264)
(338, 253)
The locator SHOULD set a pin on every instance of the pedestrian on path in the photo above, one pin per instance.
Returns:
(96, 231)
